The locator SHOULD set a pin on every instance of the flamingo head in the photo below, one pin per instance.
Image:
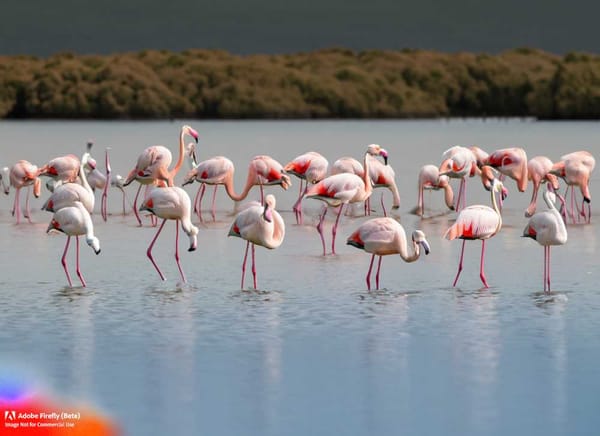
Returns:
(117, 181)
(377, 150)
(189, 177)
(418, 237)
(553, 194)
(190, 151)
(193, 235)
(187, 129)
(269, 206)
(498, 187)
(93, 242)
(4, 175)
(285, 181)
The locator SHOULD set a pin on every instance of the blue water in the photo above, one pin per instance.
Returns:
(311, 352)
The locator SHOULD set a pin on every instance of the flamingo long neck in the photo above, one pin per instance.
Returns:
(495, 207)
(180, 159)
(403, 249)
(449, 196)
(231, 190)
(83, 176)
(366, 177)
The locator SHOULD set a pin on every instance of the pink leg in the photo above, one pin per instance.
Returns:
(320, 228)
(17, 206)
(481, 264)
(244, 263)
(297, 208)
(63, 261)
(213, 206)
(77, 263)
(135, 209)
(548, 269)
(254, 266)
(369, 272)
(27, 211)
(460, 262)
(103, 206)
(149, 251)
(334, 230)
(198, 201)
(383, 206)
(378, 269)
(545, 266)
(177, 251)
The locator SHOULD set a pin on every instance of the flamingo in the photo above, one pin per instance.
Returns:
(339, 190)
(153, 165)
(258, 225)
(117, 181)
(459, 162)
(538, 171)
(24, 174)
(310, 167)
(481, 156)
(511, 162)
(383, 236)
(75, 221)
(63, 169)
(548, 229)
(576, 169)
(429, 178)
(171, 203)
(66, 194)
(477, 222)
(382, 175)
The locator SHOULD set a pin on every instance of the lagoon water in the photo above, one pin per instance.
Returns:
(312, 352)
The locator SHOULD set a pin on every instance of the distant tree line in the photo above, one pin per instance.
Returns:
(333, 83)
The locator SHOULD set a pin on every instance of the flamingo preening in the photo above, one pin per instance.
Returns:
(75, 221)
(548, 229)
(430, 179)
(258, 225)
(477, 222)
(384, 236)
(171, 203)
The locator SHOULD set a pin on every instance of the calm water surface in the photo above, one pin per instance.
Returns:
(311, 352)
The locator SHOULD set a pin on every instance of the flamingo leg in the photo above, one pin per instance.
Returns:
(198, 201)
(135, 209)
(63, 261)
(244, 263)
(548, 269)
(383, 206)
(254, 266)
(481, 264)
(149, 251)
(334, 230)
(104, 201)
(213, 206)
(545, 266)
(378, 269)
(16, 206)
(297, 208)
(573, 205)
(464, 193)
(320, 228)
(81, 279)
(460, 262)
(369, 272)
(27, 211)
(177, 251)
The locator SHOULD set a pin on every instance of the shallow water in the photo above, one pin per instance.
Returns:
(311, 352)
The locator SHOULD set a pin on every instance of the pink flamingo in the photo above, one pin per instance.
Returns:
(477, 222)
(66, 194)
(258, 225)
(430, 179)
(349, 165)
(383, 236)
(74, 221)
(171, 203)
(538, 171)
(63, 169)
(382, 175)
(339, 190)
(24, 174)
(310, 167)
(153, 165)
(547, 228)
(576, 169)
(511, 162)
(458, 163)
(481, 156)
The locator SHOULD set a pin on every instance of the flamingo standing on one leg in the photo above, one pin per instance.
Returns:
(547, 228)
(339, 190)
(171, 203)
(153, 165)
(538, 171)
(258, 225)
(477, 222)
(24, 174)
(310, 167)
(459, 162)
(383, 236)
(576, 169)
(429, 178)
(74, 221)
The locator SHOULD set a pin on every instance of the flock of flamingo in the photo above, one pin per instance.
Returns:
(73, 181)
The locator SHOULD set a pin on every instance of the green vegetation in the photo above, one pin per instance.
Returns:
(333, 83)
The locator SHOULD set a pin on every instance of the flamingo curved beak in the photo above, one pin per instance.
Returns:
(425, 246)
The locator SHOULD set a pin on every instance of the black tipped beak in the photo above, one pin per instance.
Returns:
(97, 252)
(385, 160)
(192, 249)
(587, 200)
